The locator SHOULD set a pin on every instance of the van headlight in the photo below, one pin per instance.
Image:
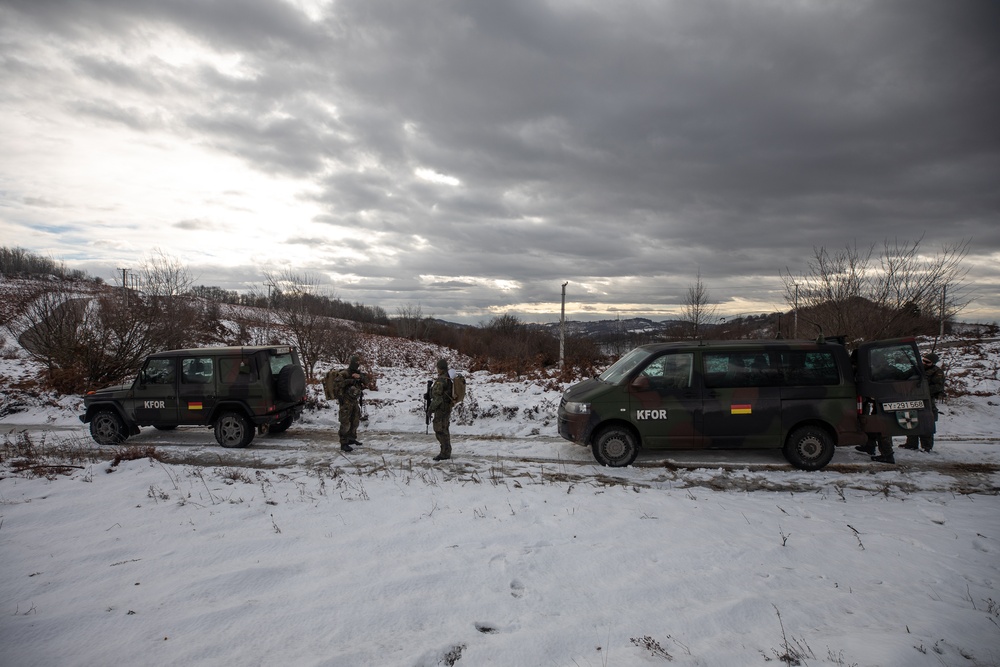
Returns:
(574, 408)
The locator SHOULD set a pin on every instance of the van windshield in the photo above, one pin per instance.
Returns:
(624, 366)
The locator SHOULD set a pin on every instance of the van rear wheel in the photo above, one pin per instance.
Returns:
(616, 447)
(809, 448)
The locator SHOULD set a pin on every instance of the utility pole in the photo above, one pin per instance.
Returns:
(944, 292)
(795, 320)
(124, 285)
(562, 328)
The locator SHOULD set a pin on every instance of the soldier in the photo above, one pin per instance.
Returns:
(441, 401)
(348, 386)
(935, 383)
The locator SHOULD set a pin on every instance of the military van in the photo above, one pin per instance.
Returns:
(802, 397)
(237, 391)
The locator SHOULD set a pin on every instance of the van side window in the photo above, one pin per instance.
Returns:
(808, 369)
(751, 368)
(671, 371)
(197, 370)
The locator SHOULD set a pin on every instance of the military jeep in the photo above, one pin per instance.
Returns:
(237, 391)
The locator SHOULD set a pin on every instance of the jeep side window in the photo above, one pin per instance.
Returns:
(158, 371)
(197, 370)
(234, 370)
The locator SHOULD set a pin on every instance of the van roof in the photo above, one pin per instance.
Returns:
(773, 343)
(225, 350)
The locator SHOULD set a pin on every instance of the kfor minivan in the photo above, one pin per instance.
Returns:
(803, 397)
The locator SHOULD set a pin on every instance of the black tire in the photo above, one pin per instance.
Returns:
(233, 429)
(165, 427)
(107, 428)
(281, 426)
(616, 447)
(809, 448)
(291, 383)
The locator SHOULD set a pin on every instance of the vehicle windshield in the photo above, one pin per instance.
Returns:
(279, 361)
(624, 366)
(892, 363)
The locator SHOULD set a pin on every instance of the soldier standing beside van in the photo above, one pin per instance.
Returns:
(935, 383)
(441, 401)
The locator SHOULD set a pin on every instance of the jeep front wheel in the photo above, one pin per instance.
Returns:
(809, 448)
(233, 429)
(107, 428)
(616, 447)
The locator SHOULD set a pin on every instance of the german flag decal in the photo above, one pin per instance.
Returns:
(194, 406)
(741, 409)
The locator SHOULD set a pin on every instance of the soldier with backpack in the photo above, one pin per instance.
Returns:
(346, 386)
(442, 397)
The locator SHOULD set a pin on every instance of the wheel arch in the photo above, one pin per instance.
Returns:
(600, 427)
(230, 406)
(817, 423)
(88, 415)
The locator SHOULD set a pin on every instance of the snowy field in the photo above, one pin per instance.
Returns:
(519, 551)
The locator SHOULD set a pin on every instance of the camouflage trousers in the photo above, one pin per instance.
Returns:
(350, 417)
(442, 418)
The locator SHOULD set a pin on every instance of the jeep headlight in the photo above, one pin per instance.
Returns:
(574, 408)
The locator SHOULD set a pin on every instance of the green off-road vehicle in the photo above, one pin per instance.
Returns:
(802, 397)
(237, 391)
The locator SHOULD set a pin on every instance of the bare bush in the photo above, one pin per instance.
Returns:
(866, 295)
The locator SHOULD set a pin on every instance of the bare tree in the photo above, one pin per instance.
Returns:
(299, 306)
(409, 322)
(161, 299)
(697, 310)
(866, 295)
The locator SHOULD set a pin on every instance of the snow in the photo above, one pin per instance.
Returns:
(519, 551)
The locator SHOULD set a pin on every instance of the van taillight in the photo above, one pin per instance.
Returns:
(860, 405)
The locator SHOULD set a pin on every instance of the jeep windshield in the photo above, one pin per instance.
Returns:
(624, 366)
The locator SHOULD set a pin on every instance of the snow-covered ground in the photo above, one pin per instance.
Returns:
(520, 551)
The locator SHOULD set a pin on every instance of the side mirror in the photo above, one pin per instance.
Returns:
(641, 383)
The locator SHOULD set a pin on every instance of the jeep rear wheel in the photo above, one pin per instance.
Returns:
(809, 448)
(233, 429)
(107, 428)
(615, 447)
(291, 383)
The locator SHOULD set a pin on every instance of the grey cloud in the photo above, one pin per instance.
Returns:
(590, 142)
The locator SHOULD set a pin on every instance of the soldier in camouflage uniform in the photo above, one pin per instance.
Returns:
(350, 383)
(935, 383)
(440, 403)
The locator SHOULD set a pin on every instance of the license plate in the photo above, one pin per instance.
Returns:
(903, 405)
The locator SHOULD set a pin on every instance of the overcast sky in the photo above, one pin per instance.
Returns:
(468, 157)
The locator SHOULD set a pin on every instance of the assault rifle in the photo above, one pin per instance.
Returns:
(427, 405)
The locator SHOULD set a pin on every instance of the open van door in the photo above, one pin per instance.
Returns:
(894, 398)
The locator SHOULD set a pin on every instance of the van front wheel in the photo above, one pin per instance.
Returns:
(615, 447)
(809, 448)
